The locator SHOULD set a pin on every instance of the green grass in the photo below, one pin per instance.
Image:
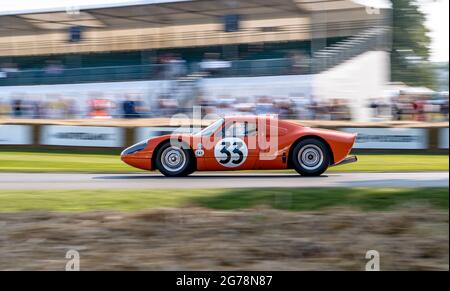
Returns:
(11, 161)
(314, 199)
(394, 163)
(61, 162)
(293, 199)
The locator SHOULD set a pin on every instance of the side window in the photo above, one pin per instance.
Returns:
(240, 129)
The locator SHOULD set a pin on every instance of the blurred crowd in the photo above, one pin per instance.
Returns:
(97, 105)
(286, 108)
(420, 109)
(411, 107)
(429, 107)
(56, 106)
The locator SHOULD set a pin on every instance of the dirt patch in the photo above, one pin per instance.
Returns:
(200, 239)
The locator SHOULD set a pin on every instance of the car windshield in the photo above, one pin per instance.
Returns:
(209, 130)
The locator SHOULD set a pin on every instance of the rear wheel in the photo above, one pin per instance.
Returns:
(310, 157)
(173, 160)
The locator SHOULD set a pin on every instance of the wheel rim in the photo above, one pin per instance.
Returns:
(173, 159)
(310, 157)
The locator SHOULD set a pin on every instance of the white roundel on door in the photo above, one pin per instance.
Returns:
(231, 152)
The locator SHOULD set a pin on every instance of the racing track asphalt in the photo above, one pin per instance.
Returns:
(44, 181)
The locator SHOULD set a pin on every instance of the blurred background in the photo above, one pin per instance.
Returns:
(308, 60)
(82, 79)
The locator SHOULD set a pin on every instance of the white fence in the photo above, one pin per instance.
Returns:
(115, 137)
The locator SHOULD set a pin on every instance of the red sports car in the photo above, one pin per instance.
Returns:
(244, 143)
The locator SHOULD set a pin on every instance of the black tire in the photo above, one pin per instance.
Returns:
(310, 157)
(174, 160)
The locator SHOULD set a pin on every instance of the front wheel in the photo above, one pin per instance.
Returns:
(173, 160)
(310, 157)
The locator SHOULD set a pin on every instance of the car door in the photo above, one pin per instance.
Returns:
(273, 146)
(231, 147)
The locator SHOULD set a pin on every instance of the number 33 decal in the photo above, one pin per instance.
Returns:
(231, 152)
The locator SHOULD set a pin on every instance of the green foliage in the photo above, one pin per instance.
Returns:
(411, 46)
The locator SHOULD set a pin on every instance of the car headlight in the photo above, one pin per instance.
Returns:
(135, 148)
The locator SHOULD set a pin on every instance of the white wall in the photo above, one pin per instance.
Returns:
(273, 86)
(358, 79)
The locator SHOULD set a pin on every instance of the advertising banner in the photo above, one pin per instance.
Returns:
(443, 138)
(82, 136)
(16, 134)
(390, 138)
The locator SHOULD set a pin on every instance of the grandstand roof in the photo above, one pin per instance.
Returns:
(155, 24)
(156, 13)
(33, 6)
(152, 14)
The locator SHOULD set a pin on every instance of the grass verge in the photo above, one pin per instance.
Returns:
(11, 161)
(293, 199)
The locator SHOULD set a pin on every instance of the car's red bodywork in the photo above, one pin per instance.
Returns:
(288, 134)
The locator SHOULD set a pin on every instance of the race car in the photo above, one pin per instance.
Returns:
(244, 143)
